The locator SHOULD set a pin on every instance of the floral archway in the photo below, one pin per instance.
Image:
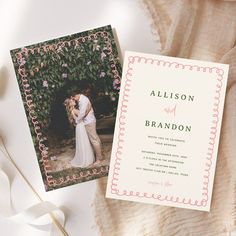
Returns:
(45, 68)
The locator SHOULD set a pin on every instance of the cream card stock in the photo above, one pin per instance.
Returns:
(167, 131)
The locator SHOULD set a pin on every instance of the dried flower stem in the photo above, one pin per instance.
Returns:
(6, 153)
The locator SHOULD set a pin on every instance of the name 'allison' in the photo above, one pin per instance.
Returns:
(179, 96)
(160, 125)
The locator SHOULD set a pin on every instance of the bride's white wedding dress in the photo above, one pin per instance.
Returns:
(84, 155)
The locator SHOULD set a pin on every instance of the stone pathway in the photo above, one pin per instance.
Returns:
(61, 160)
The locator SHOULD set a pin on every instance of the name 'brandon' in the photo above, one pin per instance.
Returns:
(160, 94)
(160, 125)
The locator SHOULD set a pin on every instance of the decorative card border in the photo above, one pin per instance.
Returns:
(122, 129)
(21, 57)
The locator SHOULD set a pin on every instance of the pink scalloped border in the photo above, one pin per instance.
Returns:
(122, 126)
(56, 48)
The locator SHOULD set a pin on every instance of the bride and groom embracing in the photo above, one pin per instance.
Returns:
(88, 144)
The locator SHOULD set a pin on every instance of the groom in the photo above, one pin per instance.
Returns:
(86, 114)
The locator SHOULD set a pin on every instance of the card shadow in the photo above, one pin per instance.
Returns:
(4, 77)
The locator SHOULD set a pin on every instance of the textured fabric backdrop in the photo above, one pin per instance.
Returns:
(197, 29)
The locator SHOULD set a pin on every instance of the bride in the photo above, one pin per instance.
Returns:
(84, 155)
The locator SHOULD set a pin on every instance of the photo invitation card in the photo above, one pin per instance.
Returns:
(167, 131)
(70, 88)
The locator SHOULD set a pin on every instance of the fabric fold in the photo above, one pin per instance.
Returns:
(196, 29)
(38, 216)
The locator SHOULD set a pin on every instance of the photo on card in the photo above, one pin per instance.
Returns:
(70, 88)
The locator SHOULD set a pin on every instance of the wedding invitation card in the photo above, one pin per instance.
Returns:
(70, 88)
(167, 131)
